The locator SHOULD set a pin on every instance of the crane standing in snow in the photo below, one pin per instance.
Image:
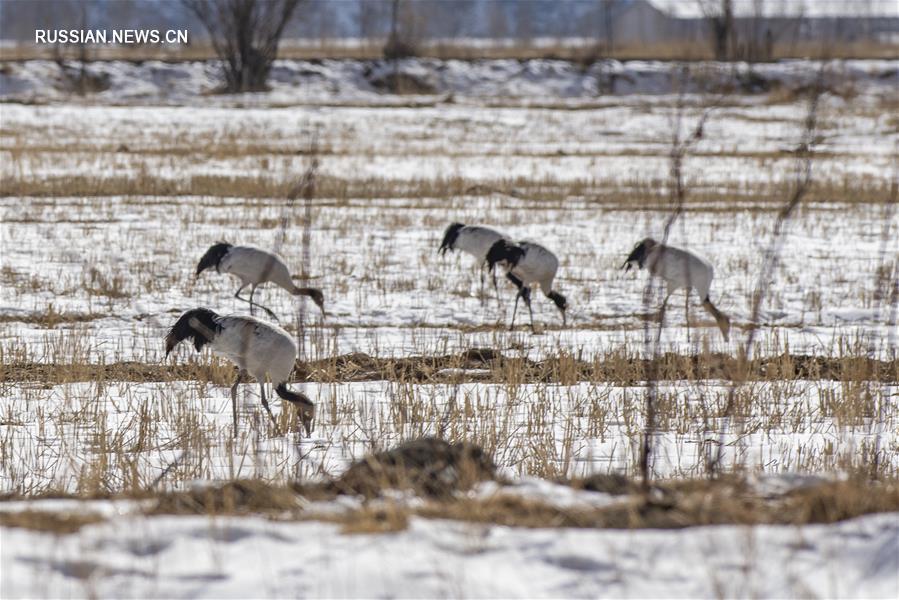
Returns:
(680, 269)
(527, 264)
(256, 347)
(255, 266)
(475, 240)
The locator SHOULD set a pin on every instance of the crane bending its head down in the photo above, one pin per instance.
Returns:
(526, 264)
(255, 266)
(680, 269)
(474, 240)
(262, 350)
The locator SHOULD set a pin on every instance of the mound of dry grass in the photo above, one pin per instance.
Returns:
(428, 466)
(244, 496)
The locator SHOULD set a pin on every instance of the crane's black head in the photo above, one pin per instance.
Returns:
(200, 325)
(449, 237)
(316, 295)
(638, 254)
(313, 294)
(504, 251)
(213, 257)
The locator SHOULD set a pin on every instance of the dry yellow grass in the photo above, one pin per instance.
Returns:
(670, 505)
(487, 366)
(59, 523)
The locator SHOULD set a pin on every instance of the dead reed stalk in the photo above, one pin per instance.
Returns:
(680, 146)
(802, 181)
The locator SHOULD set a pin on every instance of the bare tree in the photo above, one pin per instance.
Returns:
(608, 24)
(605, 76)
(405, 25)
(719, 14)
(245, 35)
(78, 79)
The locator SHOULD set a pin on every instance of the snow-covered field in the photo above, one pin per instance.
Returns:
(376, 259)
(120, 270)
(107, 208)
(243, 557)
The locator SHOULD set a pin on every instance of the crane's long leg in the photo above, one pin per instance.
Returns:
(234, 401)
(526, 294)
(664, 305)
(250, 301)
(687, 312)
(265, 404)
(662, 315)
(520, 287)
(481, 292)
(499, 300)
(514, 311)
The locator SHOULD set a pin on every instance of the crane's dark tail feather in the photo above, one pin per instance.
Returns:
(561, 303)
(449, 237)
(200, 325)
(213, 257)
(504, 250)
(722, 319)
(305, 407)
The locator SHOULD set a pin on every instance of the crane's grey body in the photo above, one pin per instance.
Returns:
(527, 264)
(538, 267)
(254, 266)
(680, 269)
(263, 350)
(474, 240)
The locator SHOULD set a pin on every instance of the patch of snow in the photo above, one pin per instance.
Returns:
(241, 557)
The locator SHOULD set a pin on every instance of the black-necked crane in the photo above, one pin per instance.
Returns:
(527, 264)
(260, 349)
(255, 266)
(475, 240)
(679, 269)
